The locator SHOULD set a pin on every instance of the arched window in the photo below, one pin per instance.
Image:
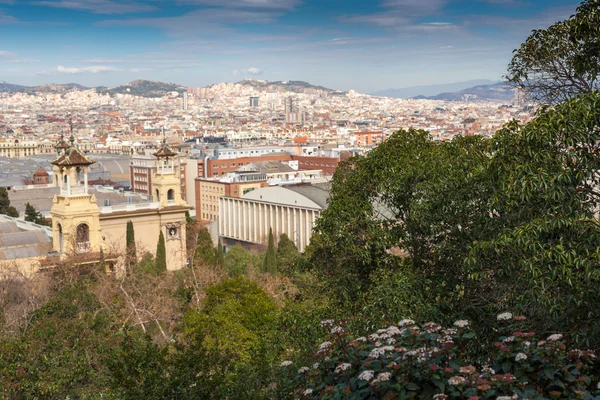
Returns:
(171, 194)
(83, 238)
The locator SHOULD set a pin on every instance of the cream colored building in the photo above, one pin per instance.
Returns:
(17, 148)
(82, 229)
(292, 210)
(79, 225)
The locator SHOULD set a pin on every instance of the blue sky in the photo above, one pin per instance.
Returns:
(365, 45)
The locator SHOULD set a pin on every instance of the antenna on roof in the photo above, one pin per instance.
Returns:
(72, 138)
(164, 136)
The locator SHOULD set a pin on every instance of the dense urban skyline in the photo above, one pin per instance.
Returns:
(361, 45)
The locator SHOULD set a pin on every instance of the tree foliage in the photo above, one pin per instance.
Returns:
(5, 207)
(486, 225)
(287, 255)
(559, 62)
(237, 260)
(270, 262)
(205, 250)
(160, 260)
(130, 244)
(33, 215)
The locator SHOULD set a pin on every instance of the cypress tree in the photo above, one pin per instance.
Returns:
(220, 255)
(287, 254)
(204, 247)
(160, 262)
(5, 207)
(270, 264)
(130, 247)
(33, 215)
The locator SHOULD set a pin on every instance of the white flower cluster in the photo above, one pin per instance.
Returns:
(379, 351)
(422, 354)
(366, 375)
(505, 316)
(440, 396)
(342, 367)
(361, 339)
(461, 323)
(285, 364)
(303, 370)
(432, 327)
(513, 397)
(406, 322)
(327, 322)
(555, 337)
(384, 376)
(315, 365)
(337, 329)
(324, 346)
(456, 380)
(308, 392)
(509, 339)
(521, 357)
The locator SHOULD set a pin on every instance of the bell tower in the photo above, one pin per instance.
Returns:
(75, 214)
(166, 185)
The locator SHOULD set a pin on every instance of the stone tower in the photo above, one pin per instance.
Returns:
(75, 214)
(166, 187)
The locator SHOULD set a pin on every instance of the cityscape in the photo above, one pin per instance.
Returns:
(274, 199)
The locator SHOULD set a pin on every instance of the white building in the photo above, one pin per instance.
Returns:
(292, 210)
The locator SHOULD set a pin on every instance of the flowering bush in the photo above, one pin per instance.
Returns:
(430, 362)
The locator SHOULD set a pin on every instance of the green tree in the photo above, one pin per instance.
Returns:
(161, 255)
(5, 207)
(287, 254)
(270, 262)
(32, 215)
(205, 250)
(559, 62)
(130, 244)
(237, 260)
(220, 256)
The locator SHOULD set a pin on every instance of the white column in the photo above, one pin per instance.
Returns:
(277, 218)
(295, 228)
(85, 180)
(69, 184)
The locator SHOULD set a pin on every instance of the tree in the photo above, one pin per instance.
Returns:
(559, 62)
(270, 263)
(219, 253)
(5, 207)
(237, 260)
(161, 254)
(204, 247)
(32, 215)
(130, 244)
(287, 254)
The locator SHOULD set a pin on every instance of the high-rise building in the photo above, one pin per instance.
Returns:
(253, 101)
(185, 101)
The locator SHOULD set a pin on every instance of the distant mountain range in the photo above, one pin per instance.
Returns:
(145, 88)
(285, 86)
(431, 90)
(477, 90)
(495, 92)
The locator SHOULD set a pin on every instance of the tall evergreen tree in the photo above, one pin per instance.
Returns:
(270, 264)
(287, 254)
(32, 215)
(130, 237)
(220, 254)
(5, 207)
(161, 254)
(204, 247)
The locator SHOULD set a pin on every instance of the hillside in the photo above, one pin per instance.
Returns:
(430, 90)
(283, 86)
(145, 88)
(496, 92)
(46, 88)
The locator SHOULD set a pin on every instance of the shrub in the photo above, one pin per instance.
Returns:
(431, 362)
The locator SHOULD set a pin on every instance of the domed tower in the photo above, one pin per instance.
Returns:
(165, 180)
(75, 214)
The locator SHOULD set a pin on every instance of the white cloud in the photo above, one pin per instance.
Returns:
(254, 71)
(265, 4)
(7, 19)
(72, 71)
(98, 6)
